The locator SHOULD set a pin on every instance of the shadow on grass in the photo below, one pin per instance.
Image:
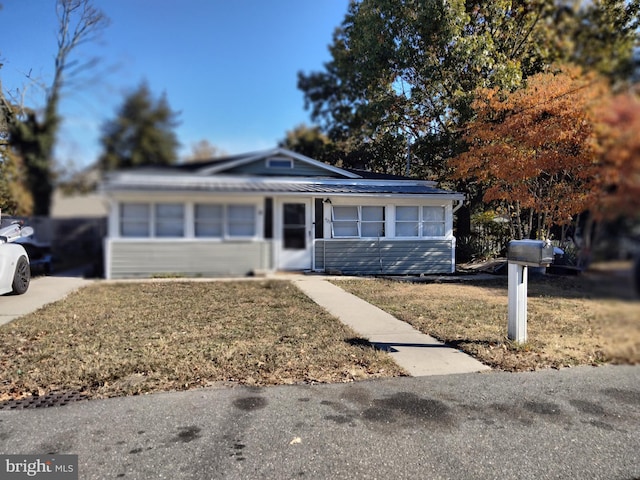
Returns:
(461, 343)
(590, 285)
(390, 347)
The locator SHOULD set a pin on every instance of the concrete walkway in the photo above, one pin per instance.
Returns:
(42, 290)
(417, 353)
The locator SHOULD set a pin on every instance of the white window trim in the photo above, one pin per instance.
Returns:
(390, 216)
(188, 220)
(225, 221)
(121, 219)
(154, 217)
(151, 220)
(359, 221)
(421, 222)
(208, 237)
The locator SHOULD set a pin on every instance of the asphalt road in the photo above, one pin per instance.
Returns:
(574, 423)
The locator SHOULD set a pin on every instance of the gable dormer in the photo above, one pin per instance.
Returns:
(279, 162)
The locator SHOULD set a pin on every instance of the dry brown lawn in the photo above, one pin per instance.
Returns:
(590, 319)
(131, 338)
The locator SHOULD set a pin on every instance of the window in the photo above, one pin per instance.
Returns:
(279, 162)
(135, 220)
(241, 220)
(169, 220)
(407, 224)
(220, 221)
(372, 222)
(209, 220)
(345, 221)
(358, 221)
(417, 221)
(433, 221)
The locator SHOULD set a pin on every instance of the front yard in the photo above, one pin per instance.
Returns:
(134, 338)
(591, 319)
(131, 338)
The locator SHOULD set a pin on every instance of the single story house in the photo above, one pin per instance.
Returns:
(274, 210)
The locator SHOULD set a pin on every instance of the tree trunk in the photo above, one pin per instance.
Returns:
(463, 221)
(636, 274)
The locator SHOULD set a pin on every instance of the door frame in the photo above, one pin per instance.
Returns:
(286, 259)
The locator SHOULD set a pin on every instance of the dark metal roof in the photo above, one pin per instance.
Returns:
(213, 176)
(376, 176)
(241, 185)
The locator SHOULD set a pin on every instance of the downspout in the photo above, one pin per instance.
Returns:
(457, 207)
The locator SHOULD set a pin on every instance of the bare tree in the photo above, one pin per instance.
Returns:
(203, 151)
(32, 137)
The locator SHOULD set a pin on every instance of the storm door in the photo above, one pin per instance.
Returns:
(295, 235)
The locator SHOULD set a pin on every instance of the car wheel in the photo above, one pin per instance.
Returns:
(22, 276)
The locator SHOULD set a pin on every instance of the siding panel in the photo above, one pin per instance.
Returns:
(370, 257)
(190, 259)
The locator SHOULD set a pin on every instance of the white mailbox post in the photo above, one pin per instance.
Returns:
(522, 254)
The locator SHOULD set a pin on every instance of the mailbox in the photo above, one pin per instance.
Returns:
(531, 253)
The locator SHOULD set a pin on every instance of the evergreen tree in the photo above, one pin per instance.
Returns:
(141, 134)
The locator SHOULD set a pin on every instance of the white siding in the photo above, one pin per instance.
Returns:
(145, 259)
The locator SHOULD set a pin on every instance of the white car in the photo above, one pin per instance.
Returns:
(15, 271)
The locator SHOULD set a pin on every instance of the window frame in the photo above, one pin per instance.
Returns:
(344, 221)
(421, 222)
(157, 221)
(358, 221)
(393, 218)
(145, 223)
(278, 163)
(140, 219)
(424, 222)
(208, 220)
(227, 222)
(413, 221)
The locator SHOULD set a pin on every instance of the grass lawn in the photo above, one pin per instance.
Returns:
(571, 320)
(130, 338)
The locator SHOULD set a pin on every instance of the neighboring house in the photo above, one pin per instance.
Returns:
(274, 210)
(80, 198)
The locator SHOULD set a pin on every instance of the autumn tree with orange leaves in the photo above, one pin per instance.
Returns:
(534, 150)
(619, 142)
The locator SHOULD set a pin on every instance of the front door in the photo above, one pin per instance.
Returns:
(295, 235)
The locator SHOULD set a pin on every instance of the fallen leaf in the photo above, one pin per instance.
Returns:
(295, 441)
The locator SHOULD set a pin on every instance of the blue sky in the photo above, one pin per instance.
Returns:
(228, 66)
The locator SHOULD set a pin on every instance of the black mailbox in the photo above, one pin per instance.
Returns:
(532, 253)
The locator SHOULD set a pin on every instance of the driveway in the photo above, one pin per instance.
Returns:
(42, 290)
